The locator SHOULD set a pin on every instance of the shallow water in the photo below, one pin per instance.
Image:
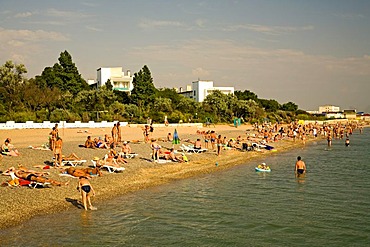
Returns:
(237, 207)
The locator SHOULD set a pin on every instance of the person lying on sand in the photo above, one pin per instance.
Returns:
(34, 176)
(72, 156)
(83, 172)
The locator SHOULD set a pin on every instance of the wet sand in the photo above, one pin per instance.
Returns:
(19, 204)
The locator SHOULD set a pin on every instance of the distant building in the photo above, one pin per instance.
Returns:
(329, 108)
(119, 80)
(333, 114)
(199, 90)
(350, 114)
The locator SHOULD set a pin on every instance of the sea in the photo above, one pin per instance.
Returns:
(330, 206)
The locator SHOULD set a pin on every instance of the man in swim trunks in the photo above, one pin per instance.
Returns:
(300, 166)
(85, 188)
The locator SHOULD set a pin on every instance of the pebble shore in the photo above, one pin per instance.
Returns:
(18, 204)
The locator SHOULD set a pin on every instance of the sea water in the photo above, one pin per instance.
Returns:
(330, 206)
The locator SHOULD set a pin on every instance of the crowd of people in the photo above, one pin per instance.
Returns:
(117, 149)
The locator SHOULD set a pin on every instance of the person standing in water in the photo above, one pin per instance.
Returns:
(85, 188)
(347, 142)
(300, 167)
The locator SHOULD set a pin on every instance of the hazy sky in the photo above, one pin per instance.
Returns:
(306, 51)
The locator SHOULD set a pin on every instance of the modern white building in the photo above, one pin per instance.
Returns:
(119, 80)
(329, 108)
(199, 90)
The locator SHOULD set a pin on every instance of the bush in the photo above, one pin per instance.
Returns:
(21, 117)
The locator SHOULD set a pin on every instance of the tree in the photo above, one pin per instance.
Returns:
(170, 94)
(216, 103)
(246, 95)
(270, 105)
(63, 75)
(290, 106)
(144, 91)
(188, 105)
(11, 79)
(162, 105)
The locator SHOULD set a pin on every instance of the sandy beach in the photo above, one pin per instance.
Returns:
(19, 204)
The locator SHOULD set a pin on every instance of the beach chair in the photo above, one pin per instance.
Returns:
(34, 185)
(112, 169)
(73, 163)
(129, 156)
(191, 149)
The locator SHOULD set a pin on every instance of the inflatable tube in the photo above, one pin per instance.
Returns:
(262, 170)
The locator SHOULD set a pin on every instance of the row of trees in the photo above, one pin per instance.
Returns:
(60, 93)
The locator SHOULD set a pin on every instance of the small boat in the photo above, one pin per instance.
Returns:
(262, 168)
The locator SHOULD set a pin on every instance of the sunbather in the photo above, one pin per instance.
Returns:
(72, 156)
(99, 143)
(126, 149)
(83, 172)
(89, 143)
(8, 149)
(34, 176)
(173, 157)
(114, 156)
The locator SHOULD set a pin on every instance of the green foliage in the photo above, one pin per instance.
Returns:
(246, 95)
(187, 105)
(63, 75)
(169, 94)
(11, 80)
(60, 94)
(23, 116)
(162, 105)
(144, 91)
(122, 97)
(290, 106)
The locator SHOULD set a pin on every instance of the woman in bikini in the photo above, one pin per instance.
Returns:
(85, 188)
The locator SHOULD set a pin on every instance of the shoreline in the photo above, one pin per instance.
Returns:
(21, 204)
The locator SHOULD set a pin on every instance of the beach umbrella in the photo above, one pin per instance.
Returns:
(176, 139)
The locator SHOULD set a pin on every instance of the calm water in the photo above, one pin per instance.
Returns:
(238, 207)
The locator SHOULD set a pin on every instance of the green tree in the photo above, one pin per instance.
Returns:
(144, 91)
(170, 94)
(216, 103)
(270, 105)
(63, 75)
(246, 95)
(188, 105)
(290, 106)
(11, 79)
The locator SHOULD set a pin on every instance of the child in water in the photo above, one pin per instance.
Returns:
(85, 188)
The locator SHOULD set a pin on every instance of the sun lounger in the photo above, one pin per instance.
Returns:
(112, 169)
(129, 156)
(34, 185)
(73, 163)
(191, 149)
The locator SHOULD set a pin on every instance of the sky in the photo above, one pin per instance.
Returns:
(311, 53)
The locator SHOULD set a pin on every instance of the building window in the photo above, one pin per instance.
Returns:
(195, 93)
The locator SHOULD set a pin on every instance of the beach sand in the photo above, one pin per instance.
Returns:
(19, 204)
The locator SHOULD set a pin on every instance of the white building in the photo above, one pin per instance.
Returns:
(329, 108)
(119, 80)
(199, 90)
